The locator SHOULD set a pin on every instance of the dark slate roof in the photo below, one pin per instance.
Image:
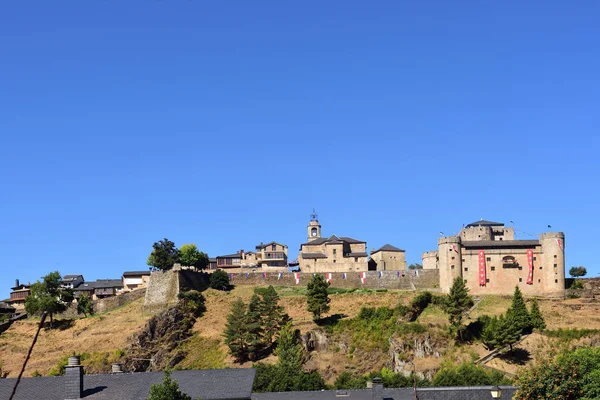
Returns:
(313, 255)
(107, 283)
(71, 277)
(135, 273)
(85, 286)
(212, 260)
(6, 307)
(262, 246)
(388, 247)
(333, 239)
(439, 393)
(494, 244)
(483, 222)
(358, 254)
(236, 255)
(235, 383)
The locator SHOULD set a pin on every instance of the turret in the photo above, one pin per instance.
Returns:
(553, 261)
(429, 260)
(449, 261)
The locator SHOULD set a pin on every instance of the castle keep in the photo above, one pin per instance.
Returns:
(487, 257)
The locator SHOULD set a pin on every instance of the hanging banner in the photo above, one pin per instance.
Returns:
(363, 277)
(530, 265)
(328, 277)
(481, 268)
(279, 276)
(379, 274)
(297, 277)
(344, 275)
(454, 248)
(559, 244)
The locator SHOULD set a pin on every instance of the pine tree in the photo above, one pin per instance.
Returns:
(508, 332)
(289, 350)
(518, 311)
(273, 315)
(167, 390)
(253, 323)
(236, 331)
(537, 319)
(488, 335)
(457, 303)
(317, 298)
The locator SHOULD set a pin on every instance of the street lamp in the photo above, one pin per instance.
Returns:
(496, 392)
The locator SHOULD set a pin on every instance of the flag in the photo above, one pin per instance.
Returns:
(549, 226)
(231, 276)
(559, 244)
(379, 274)
(344, 275)
(279, 276)
(454, 248)
(247, 276)
(264, 275)
(398, 273)
(328, 277)
(297, 277)
(363, 277)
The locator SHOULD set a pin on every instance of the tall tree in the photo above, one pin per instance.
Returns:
(164, 255)
(273, 315)
(289, 351)
(85, 305)
(488, 335)
(457, 303)
(236, 332)
(48, 296)
(518, 311)
(190, 256)
(537, 319)
(508, 332)
(167, 390)
(577, 272)
(317, 298)
(253, 322)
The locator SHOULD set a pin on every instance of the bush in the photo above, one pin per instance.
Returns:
(577, 284)
(167, 390)
(219, 280)
(468, 374)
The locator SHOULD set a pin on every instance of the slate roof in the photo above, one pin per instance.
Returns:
(359, 254)
(108, 283)
(438, 393)
(261, 246)
(234, 383)
(388, 247)
(333, 239)
(314, 255)
(484, 222)
(236, 255)
(71, 277)
(494, 244)
(136, 273)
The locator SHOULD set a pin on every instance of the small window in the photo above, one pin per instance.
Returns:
(334, 261)
(489, 259)
(555, 265)
(556, 281)
(540, 267)
(555, 256)
(355, 259)
(493, 268)
(520, 279)
(449, 249)
(534, 259)
(453, 257)
(465, 281)
(334, 252)
(487, 281)
(463, 260)
(500, 238)
(539, 280)
(452, 267)
(520, 268)
(466, 269)
(274, 247)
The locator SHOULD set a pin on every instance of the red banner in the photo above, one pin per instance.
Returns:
(530, 264)
(481, 268)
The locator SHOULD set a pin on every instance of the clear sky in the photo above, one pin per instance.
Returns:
(223, 123)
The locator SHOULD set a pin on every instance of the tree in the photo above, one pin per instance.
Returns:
(190, 256)
(537, 319)
(85, 305)
(550, 379)
(253, 322)
(193, 302)
(219, 280)
(289, 350)
(48, 296)
(415, 266)
(488, 335)
(273, 315)
(317, 298)
(236, 332)
(164, 255)
(167, 390)
(467, 374)
(577, 272)
(518, 311)
(508, 332)
(457, 303)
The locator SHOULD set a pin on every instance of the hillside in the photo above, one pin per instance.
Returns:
(105, 336)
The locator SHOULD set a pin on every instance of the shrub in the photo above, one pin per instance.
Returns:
(219, 280)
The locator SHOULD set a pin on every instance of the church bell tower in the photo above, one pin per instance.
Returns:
(314, 228)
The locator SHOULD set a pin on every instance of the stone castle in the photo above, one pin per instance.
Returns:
(487, 257)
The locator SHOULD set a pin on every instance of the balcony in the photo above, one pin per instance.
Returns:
(274, 256)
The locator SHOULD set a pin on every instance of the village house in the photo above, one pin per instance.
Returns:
(19, 293)
(71, 281)
(387, 258)
(133, 280)
(272, 256)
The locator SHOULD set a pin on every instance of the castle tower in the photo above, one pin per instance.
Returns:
(314, 227)
(553, 262)
(449, 261)
(429, 260)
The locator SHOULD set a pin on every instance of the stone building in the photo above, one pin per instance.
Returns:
(487, 257)
(272, 256)
(387, 258)
(332, 254)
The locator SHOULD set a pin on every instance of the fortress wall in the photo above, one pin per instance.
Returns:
(162, 290)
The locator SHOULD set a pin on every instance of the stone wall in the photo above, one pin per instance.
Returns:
(110, 303)
(162, 290)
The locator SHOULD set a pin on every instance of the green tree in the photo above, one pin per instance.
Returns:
(164, 255)
(457, 303)
(317, 298)
(193, 302)
(537, 319)
(415, 266)
(289, 350)
(508, 332)
(467, 374)
(518, 311)
(190, 256)
(488, 335)
(48, 296)
(550, 380)
(253, 322)
(577, 272)
(236, 332)
(85, 305)
(167, 390)
(219, 280)
(273, 315)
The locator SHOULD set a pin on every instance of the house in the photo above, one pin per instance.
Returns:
(71, 281)
(86, 288)
(6, 309)
(387, 258)
(107, 287)
(223, 384)
(19, 293)
(135, 279)
(272, 256)
(229, 261)
(212, 264)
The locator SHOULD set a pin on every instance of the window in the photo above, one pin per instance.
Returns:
(355, 259)
(489, 259)
(453, 257)
(493, 268)
(534, 259)
(487, 280)
(555, 265)
(466, 269)
(539, 280)
(500, 238)
(452, 267)
(274, 247)
(334, 261)
(449, 249)
(540, 267)
(465, 281)
(334, 252)
(463, 260)
(556, 281)
(520, 268)
(520, 279)
(555, 256)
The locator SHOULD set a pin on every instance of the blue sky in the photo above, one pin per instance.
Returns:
(223, 123)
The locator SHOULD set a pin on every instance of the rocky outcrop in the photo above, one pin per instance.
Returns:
(404, 353)
(314, 341)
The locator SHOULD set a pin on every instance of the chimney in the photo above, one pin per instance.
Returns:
(73, 379)
(377, 389)
(117, 369)
(16, 283)
(242, 253)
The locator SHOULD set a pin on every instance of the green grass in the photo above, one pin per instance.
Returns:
(569, 334)
(202, 353)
